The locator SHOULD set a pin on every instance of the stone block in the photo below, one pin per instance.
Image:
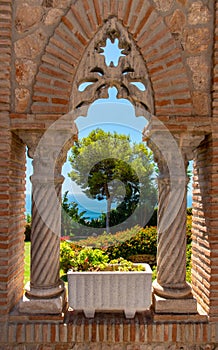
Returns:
(52, 306)
(200, 72)
(201, 103)
(53, 16)
(176, 22)
(30, 46)
(22, 99)
(25, 71)
(196, 40)
(164, 5)
(174, 306)
(198, 13)
(27, 16)
(61, 3)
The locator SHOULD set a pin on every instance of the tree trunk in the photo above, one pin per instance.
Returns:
(108, 198)
(108, 215)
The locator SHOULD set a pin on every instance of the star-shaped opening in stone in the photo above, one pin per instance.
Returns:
(112, 52)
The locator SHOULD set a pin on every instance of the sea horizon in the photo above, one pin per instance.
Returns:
(93, 207)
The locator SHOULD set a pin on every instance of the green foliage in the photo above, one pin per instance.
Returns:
(189, 244)
(70, 217)
(26, 262)
(108, 166)
(154, 272)
(189, 211)
(69, 250)
(68, 253)
(105, 240)
(134, 241)
(89, 259)
(188, 229)
(188, 262)
(28, 218)
(121, 264)
(144, 242)
(27, 231)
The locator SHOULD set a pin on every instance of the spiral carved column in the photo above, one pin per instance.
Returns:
(171, 292)
(171, 254)
(45, 237)
(45, 293)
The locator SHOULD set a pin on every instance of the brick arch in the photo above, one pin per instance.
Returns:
(157, 45)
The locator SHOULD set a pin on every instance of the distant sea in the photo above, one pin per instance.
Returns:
(93, 207)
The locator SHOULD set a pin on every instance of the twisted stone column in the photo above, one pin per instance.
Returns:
(45, 237)
(45, 293)
(171, 253)
(46, 216)
(171, 292)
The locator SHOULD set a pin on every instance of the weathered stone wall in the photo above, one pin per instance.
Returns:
(205, 210)
(201, 266)
(16, 220)
(41, 45)
(12, 174)
(174, 38)
(5, 99)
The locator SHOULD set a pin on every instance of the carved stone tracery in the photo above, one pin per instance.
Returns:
(131, 68)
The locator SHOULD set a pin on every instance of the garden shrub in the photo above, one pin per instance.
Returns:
(189, 211)
(144, 242)
(89, 259)
(27, 231)
(189, 228)
(67, 254)
(93, 259)
(188, 262)
(105, 240)
(125, 244)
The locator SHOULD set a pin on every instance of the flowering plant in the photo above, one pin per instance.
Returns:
(89, 259)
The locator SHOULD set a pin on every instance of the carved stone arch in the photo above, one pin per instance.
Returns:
(130, 70)
(157, 46)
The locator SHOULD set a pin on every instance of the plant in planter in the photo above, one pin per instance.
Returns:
(95, 283)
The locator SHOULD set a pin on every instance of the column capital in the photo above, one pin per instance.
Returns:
(31, 138)
(160, 139)
(188, 142)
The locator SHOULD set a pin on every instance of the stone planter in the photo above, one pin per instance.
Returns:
(127, 291)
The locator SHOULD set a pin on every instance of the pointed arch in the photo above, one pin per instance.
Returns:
(99, 75)
(157, 46)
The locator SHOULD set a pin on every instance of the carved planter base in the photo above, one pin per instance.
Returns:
(110, 291)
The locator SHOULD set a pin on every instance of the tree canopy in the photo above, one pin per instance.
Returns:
(109, 166)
